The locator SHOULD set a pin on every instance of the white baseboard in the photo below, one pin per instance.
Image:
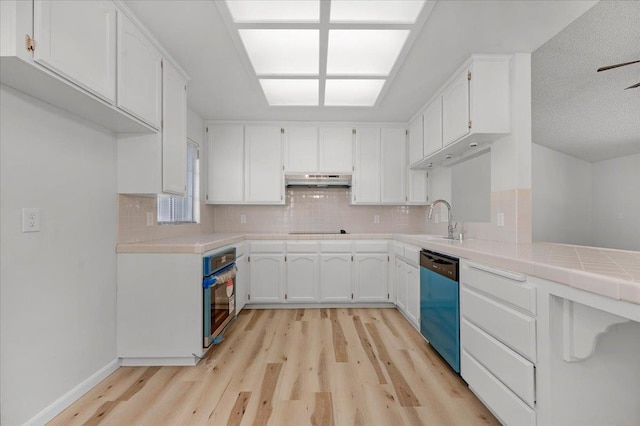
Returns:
(70, 397)
(159, 361)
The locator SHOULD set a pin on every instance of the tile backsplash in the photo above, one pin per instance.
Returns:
(320, 210)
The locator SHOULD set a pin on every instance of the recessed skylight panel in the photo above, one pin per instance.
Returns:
(282, 52)
(261, 11)
(283, 92)
(379, 11)
(352, 92)
(364, 52)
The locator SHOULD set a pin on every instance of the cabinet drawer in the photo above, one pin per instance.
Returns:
(412, 254)
(302, 246)
(509, 409)
(371, 246)
(508, 286)
(241, 249)
(513, 370)
(267, 247)
(335, 246)
(513, 328)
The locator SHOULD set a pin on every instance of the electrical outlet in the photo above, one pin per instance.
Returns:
(243, 218)
(30, 220)
(376, 218)
(500, 219)
(150, 218)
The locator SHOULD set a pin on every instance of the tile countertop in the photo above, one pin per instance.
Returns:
(608, 272)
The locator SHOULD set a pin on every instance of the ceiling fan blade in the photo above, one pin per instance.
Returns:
(616, 66)
(635, 86)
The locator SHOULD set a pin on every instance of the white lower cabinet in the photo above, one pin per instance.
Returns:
(498, 340)
(401, 285)
(407, 280)
(267, 273)
(302, 277)
(413, 295)
(371, 277)
(242, 278)
(335, 277)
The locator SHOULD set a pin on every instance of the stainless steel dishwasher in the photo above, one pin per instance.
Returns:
(439, 305)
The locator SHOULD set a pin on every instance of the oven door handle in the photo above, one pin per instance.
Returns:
(220, 277)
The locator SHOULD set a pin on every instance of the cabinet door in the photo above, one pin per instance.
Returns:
(301, 149)
(174, 131)
(335, 278)
(394, 166)
(139, 74)
(302, 277)
(242, 282)
(366, 180)
(371, 277)
(336, 150)
(77, 40)
(401, 285)
(267, 276)
(455, 110)
(417, 188)
(225, 165)
(415, 141)
(263, 165)
(433, 127)
(413, 295)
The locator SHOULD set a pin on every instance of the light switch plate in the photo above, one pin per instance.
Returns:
(30, 220)
(376, 218)
(500, 219)
(243, 218)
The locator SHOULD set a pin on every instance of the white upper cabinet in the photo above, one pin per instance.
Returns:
(174, 131)
(336, 150)
(139, 74)
(393, 164)
(77, 40)
(263, 165)
(416, 150)
(301, 149)
(432, 117)
(225, 165)
(367, 168)
(455, 109)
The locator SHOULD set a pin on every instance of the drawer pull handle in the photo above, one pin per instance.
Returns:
(506, 274)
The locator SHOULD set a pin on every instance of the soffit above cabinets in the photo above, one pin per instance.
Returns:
(324, 53)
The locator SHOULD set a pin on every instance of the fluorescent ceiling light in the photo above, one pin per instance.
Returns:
(352, 92)
(290, 92)
(379, 11)
(364, 52)
(274, 11)
(283, 52)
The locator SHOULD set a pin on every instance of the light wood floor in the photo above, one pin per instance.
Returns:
(293, 367)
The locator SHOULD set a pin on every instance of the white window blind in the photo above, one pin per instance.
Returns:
(183, 209)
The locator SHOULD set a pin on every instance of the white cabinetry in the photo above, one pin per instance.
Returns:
(303, 271)
(225, 166)
(432, 117)
(155, 164)
(380, 166)
(416, 152)
(242, 277)
(336, 150)
(407, 281)
(174, 131)
(263, 165)
(413, 295)
(367, 166)
(335, 277)
(455, 108)
(371, 277)
(301, 149)
(267, 277)
(498, 340)
(78, 41)
(394, 165)
(139, 74)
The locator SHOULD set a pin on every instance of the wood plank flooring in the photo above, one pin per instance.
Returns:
(293, 367)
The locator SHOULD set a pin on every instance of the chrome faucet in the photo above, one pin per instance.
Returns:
(451, 226)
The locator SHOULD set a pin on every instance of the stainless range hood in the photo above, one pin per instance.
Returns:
(318, 180)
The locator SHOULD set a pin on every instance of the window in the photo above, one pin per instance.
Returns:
(184, 209)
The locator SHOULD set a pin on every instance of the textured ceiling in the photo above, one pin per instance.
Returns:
(579, 111)
(222, 89)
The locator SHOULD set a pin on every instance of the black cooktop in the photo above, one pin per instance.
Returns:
(342, 231)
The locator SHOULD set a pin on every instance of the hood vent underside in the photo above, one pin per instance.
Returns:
(318, 180)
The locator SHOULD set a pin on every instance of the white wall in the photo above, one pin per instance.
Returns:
(57, 298)
(561, 197)
(471, 189)
(616, 203)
